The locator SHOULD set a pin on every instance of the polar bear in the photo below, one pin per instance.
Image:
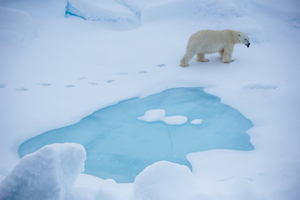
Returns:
(212, 41)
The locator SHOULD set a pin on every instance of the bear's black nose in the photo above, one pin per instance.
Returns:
(248, 45)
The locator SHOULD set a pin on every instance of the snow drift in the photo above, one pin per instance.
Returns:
(16, 26)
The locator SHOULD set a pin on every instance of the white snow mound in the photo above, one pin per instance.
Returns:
(48, 173)
(165, 180)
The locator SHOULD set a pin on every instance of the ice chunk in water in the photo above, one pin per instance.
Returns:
(197, 121)
(160, 115)
(175, 120)
(120, 146)
(153, 115)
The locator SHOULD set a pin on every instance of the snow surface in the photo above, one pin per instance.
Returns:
(58, 69)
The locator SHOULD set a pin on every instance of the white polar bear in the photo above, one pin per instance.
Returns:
(212, 41)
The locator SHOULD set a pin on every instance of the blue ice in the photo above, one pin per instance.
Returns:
(120, 143)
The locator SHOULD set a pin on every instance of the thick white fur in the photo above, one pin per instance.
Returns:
(212, 41)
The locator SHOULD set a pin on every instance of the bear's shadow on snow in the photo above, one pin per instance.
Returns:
(120, 146)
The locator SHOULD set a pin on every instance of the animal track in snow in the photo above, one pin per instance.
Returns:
(81, 78)
(161, 65)
(22, 89)
(2, 85)
(45, 84)
(143, 72)
(69, 86)
(122, 73)
(110, 81)
(92, 83)
(261, 86)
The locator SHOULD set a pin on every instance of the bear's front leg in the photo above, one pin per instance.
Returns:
(201, 57)
(227, 54)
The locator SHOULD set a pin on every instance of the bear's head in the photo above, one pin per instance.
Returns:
(244, 39)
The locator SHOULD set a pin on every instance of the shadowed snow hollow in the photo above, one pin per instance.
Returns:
(123, 139)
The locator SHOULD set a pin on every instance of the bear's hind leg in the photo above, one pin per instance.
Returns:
(184, 63)
(201, 57)
(187, 57)
(221, 53)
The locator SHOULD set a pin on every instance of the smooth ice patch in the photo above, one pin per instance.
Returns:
(123, 139)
